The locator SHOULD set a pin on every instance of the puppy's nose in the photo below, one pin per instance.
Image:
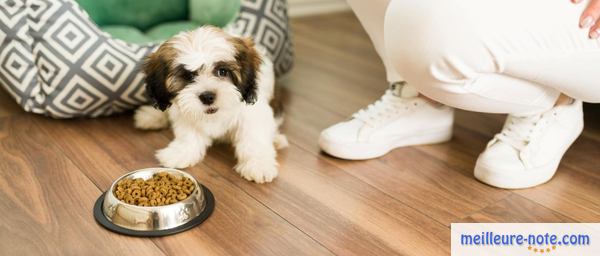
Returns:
(208, 98)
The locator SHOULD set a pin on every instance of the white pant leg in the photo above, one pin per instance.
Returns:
(371, 14)
(508, 56)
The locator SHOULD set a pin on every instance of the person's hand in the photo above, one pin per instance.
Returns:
(591, 18)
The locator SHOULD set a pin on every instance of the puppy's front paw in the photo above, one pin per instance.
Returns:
(149, 118)
(257, 171)
(177, 157)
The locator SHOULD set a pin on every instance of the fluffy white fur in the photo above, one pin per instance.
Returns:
(251, 128)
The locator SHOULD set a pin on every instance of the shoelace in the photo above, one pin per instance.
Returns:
(383, 109)
(520, 130)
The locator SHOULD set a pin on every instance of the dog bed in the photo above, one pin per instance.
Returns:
(58, 61)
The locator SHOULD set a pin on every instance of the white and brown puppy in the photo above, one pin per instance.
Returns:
(210, 85)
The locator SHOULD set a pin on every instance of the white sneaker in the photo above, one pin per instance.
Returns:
(398, 119)
(528, 150)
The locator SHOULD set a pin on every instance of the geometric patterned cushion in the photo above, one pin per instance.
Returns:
(267, 22)
(55, 61)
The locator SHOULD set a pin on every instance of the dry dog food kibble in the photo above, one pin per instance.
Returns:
(162, 189)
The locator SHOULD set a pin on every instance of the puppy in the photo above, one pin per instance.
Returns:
(209, 85)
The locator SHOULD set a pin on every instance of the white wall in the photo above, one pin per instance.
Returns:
(311, 7)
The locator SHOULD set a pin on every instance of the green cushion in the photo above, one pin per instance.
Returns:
(156, 34)
(127, 33)
(167, 30)
(150, 21)
(215, 12)
(142, 14)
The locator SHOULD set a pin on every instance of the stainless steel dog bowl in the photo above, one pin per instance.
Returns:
(134, 220)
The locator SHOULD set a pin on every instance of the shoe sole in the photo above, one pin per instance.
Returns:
(529, 178)
(363, 151)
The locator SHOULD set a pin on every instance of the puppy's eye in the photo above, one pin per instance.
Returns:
(222, 72)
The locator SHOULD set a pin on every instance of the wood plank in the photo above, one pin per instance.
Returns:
(343, 32)
(572, 193)
(46, 202)
(344, 214)
(591, 116)
(8, 106)
(517, 209)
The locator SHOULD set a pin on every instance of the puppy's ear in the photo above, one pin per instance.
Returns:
(157, 70)
(249, 62)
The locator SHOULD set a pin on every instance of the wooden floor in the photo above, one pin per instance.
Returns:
(401, 204)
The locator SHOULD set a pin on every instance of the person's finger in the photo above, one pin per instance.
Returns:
(595, 31)
(590, 15)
